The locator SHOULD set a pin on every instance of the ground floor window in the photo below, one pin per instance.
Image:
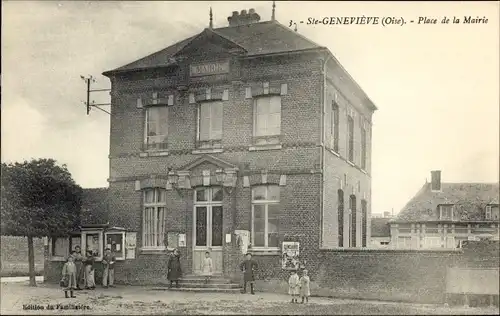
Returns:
(265, 216)
(153, 219)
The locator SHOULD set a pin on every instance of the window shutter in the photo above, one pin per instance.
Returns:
(225, 95)
(284, 89)
(208, 94)
(216, 120)
(248, 93)
(205, 121)
(488, 212)
(170, 99)
(139, 103)
(266, 87)
(155, 97)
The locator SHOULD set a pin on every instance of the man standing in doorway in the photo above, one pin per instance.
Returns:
(248, 267)
(109, 269)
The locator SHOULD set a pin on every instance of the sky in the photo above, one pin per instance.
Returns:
(435, 85)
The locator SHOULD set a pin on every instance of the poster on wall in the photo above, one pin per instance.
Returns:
(243, 240)
(182, 240)
(290, 253)
(130, 244)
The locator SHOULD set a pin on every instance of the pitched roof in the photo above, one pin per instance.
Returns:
(469, 200)
(94, 206)
(380, 227)
(257, 38)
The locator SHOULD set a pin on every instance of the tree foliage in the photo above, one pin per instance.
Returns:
(39, 198)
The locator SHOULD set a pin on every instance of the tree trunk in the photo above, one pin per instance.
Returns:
(31, 261)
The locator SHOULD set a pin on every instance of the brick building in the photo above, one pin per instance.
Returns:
(248, 136)
(443, 215)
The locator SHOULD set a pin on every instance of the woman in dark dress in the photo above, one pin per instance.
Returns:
(174, 268)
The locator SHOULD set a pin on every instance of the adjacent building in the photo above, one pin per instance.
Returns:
(244, 137)
(442, 215)
(380, 233)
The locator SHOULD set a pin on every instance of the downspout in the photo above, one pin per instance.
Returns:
(323, 152)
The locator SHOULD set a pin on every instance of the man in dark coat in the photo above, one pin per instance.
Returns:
(80, 269)
(174, 268)
(248, 267)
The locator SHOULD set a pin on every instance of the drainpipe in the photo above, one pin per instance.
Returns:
(323, 138)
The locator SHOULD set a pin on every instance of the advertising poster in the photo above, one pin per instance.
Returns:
(290, 253)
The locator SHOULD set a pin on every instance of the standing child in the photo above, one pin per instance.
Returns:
(305, 290)
(207, 267)
(68, 281)
(293, 286)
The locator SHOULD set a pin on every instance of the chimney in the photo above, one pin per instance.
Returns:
(436, 180)
(243, 18)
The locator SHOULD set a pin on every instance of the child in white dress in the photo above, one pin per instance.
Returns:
(207, 267)
(294, 286)
(305, 289)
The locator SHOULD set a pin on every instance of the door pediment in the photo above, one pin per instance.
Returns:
(208, 160)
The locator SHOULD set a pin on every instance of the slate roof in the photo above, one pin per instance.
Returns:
(380, 227)
(94, 206)
(257, 38)
(469, 199)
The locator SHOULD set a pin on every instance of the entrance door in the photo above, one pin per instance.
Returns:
(208, 231)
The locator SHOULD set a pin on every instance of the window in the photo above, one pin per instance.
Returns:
(93, 240)
(352, 221)
(267, 116)
(156, 127)
(335, 126)
(364, 219)
(363, 148)
(446, 212)
(60, 247)
(210, 121)
(153, 219)
(116, 242)
(492, 212)
(265, 216)
(384, 243)
(340, 197)
(350, 133)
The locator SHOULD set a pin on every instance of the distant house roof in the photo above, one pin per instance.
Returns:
(256, 39)
(380, 227)
(94, 206)
(469, 199)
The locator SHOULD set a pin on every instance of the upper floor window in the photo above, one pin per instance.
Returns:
(446, 212)
(265, 215)
(156, 127)
(210, 121)
(267, 116)
(335, 126)
(350, 138)
(492, 212)
(153, 219)
(363, 148)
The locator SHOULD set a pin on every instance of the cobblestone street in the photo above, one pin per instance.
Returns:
(143, 300)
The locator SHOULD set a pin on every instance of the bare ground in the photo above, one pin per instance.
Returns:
(142, 300)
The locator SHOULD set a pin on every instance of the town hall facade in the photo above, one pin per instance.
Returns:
(240, 138)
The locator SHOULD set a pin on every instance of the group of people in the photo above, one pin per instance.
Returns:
(79, 269)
